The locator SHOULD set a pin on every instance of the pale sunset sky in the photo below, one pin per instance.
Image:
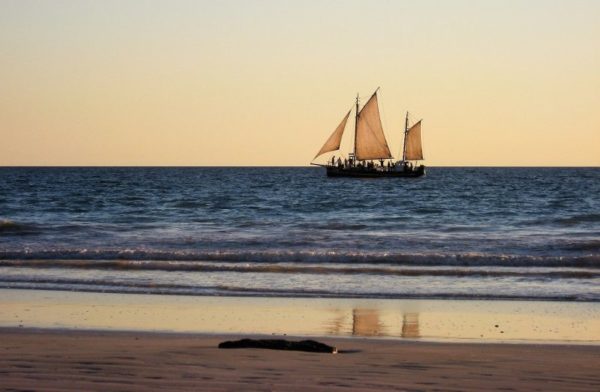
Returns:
(265, 82)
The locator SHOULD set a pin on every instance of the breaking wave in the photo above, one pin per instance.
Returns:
(285, 268)
(578, 219)
(281, 256)
(9, 227)
(126, 287)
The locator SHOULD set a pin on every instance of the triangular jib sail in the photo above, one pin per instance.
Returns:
(333, 143)
(370, 140)
(413, 147)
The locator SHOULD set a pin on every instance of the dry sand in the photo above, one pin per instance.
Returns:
(59, 360)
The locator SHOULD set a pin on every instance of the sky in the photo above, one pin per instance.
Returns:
(265, 82)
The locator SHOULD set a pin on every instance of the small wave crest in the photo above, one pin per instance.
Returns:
(337, 269)
(315, 257)
(9, 227)
(334, 226)
(91, 285)
(578, 219)
(590, 246)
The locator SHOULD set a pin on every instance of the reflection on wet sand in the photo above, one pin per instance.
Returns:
(410, 325)
(368, 322)
(337, 324)
(410, 319)
(365, 322)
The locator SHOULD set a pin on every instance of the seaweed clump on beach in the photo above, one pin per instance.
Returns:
(280, 344)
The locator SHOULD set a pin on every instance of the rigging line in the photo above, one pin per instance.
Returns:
(352, 108)
(403, 139)
(342, 138)
(384, 120)
(383, 117)
(345, 126)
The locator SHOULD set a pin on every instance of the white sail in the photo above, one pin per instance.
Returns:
(370, 140)
(413, 148)
(333, 143)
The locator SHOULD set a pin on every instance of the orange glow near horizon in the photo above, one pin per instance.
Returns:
(260, 83)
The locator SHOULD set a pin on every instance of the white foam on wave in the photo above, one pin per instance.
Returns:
(319, 256)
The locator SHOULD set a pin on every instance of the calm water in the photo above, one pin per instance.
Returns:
(513, 233)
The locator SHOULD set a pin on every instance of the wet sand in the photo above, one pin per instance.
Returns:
(423, 320)
(60, 360)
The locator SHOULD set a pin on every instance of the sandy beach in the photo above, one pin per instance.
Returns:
(52, 340)
(58, 360)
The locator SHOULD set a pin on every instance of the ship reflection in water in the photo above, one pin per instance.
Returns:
(365, 322)
(410, 325)
(368, 323)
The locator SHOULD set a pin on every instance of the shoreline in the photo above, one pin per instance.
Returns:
(118, 360)
(236, 336)
(318, 296)
(73, 341)
(456, 321)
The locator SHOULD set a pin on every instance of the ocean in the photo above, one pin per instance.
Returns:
(461, 233)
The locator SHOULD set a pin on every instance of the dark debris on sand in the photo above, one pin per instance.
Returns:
(280, 344)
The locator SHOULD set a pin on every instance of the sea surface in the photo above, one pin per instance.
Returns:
(474, 233)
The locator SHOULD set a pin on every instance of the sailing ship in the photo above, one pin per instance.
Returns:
(371, 156)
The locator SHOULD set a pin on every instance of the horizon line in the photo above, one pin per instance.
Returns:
(283, 166)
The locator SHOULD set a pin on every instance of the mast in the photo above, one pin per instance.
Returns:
(370, 141)
(405, 133)
(355, 127)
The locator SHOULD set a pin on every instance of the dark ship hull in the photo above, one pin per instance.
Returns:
(366, 172)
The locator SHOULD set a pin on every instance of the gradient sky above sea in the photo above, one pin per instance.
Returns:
(265, 82)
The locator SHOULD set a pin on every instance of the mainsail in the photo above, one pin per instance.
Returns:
(413, 149)
(370, 141)
(333, 143)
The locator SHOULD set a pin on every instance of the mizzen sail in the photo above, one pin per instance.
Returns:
(333, 143)
(370, 140)
(413, 147)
